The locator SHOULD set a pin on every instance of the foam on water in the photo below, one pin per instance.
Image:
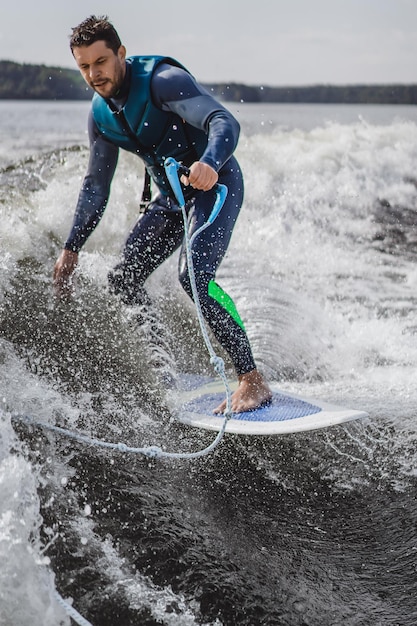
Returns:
(322, 268)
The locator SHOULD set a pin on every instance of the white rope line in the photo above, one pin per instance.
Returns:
(149, 451)
(71, 612)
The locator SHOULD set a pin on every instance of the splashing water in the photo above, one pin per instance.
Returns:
(313, 528)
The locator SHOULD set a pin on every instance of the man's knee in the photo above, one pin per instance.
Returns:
(124, 283)
(201, 281)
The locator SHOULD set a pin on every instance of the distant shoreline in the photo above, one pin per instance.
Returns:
(20, 81)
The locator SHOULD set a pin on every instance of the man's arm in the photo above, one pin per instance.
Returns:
(174, 89)
(92, 201)
(95, 190)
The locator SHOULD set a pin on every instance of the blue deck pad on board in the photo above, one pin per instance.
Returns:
(282, 408)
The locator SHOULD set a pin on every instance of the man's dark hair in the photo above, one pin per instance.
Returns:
(94, 29)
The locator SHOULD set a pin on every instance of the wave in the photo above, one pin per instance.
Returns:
(322, 269)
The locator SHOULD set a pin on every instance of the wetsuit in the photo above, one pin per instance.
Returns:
(159, 230)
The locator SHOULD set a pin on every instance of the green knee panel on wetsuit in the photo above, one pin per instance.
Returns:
(217, 293)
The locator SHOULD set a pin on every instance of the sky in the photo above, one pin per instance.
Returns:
(263, 42)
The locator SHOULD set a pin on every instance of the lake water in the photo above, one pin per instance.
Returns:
(310, 529)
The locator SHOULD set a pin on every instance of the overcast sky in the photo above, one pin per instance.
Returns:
(262, 42)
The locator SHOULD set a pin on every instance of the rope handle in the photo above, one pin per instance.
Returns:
(174, 170)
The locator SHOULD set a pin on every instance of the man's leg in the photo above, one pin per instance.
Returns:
(154, 237)
(156, 234)
(218, 309)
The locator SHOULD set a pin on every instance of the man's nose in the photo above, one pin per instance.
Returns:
(94, 72)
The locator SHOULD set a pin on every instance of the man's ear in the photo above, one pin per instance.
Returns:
(121, 53)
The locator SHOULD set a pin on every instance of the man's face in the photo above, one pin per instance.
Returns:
(101, 68)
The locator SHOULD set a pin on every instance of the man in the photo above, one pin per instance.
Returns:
(153, 107)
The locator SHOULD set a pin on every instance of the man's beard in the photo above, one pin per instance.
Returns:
(111, 88)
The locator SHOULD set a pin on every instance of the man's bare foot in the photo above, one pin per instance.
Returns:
(251, 393)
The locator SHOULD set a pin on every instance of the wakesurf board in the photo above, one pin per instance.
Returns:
(287, 413)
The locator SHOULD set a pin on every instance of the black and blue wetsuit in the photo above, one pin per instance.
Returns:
(177, 117)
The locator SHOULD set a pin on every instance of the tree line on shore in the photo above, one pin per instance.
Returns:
(21, 81)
